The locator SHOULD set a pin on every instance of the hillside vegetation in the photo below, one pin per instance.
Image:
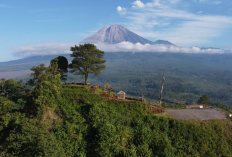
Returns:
(77, 121)
(188, 76)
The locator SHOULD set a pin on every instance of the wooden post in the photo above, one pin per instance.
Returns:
(142, 98)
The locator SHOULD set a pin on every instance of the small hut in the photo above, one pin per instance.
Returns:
(106, 85)
(121, 95)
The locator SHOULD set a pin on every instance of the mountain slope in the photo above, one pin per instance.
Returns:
(115, 34)
(163, 42)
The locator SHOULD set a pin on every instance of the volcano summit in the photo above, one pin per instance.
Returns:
(116, 34)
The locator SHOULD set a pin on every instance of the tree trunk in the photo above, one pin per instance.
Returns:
(161, 91)
(86, 78)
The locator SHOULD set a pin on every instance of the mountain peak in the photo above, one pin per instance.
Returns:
(163, 42)
(116, 25)
(115, 34)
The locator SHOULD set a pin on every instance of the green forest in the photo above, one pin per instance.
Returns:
(188, 76)
(73, 120)
(47, 118)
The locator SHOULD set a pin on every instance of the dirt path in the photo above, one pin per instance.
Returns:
(200, 114)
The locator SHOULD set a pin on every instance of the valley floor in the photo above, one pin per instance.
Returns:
(14, 74)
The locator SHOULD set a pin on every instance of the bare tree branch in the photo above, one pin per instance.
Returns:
(162, 87)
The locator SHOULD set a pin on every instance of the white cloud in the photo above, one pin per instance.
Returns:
(155, 3)
(138, 4)
(54, 48)
(210, 1)
(50, 48)
(130, 47)
(176, 25)
(121, 10)
(199, 12)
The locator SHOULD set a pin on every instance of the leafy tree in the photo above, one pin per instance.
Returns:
(87, 60)
(14, 89)
(47, 83)
(62, 64)
(204, 100)
(41, 73)
(2, 84)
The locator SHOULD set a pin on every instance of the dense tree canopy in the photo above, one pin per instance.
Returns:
(12, 89)
(84, 124)
(2, 84)
(204, 100)
(47, 85)
(87, 60)
(42, 73)
(62, 64)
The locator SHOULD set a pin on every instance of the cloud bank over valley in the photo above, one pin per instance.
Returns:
(40, 49)
(54, 48)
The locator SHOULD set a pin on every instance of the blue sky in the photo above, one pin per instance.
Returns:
(30, 27)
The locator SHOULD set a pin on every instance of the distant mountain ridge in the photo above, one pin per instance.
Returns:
(213, 48)
(116, 34)
(163, 42)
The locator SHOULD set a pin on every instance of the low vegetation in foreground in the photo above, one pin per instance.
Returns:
(78, 121)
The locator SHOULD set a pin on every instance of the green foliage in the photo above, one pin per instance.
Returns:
(2, 84)
(184, 84)
(87, 60)
(204, 100)
(42, 73)
(13, 89)
(62, 64)
(225, 108)
(176, 106)
(137, 74)
(47, 93)
(47, 88)
(82, 123)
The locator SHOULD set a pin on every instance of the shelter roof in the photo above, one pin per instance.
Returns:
(121, 92)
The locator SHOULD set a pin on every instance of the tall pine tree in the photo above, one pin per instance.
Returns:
(87, 60)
